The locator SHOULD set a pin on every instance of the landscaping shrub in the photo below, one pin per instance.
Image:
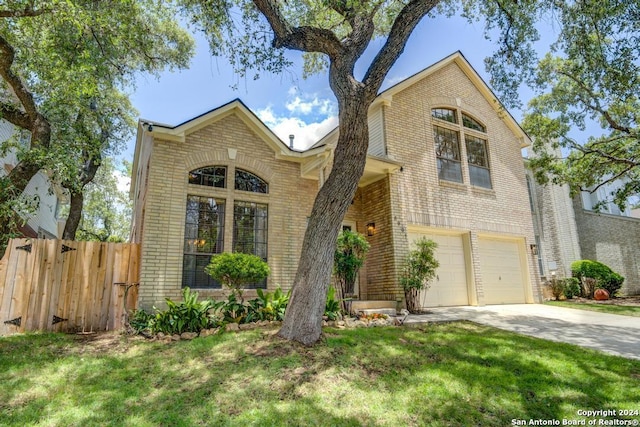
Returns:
(234, 270)
(605, 277)
(232, 310)
(556, 287)
(189, 315)
(351, 248)
(332, 306)
(419, 267)
(139, 320)
(571, 287)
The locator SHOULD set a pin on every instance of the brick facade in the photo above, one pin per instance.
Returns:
(421, 199)
(228, 142)
(394, 198)
(612, 240)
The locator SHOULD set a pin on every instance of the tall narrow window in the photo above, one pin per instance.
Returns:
(448, 154)
(250, 226)
(203, 237)
(478, 160)
(246, 181)
(213, 176)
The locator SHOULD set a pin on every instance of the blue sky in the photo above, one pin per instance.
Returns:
(287, 103)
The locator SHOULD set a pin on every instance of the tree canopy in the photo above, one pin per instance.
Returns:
(64, 66)
(106, 216)
(591, 76)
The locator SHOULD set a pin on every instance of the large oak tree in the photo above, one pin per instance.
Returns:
(333, 35)
(591, 78)
(64, 65)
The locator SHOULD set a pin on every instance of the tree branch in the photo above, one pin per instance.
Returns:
(15, 116)
(23, 13)
(7, 56)
(613, 124)
(305, 39)
(404, 24)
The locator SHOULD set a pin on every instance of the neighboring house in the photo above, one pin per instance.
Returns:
(43, 223)
(444, 162)
(586, 226)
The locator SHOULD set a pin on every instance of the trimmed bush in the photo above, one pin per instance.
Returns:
(604, 276)
(234, 270)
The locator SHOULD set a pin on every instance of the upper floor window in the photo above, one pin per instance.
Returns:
(451, 155)
(478, 160)
(445, 114)
(471, 123)
(212, 176)
(246, 181)
(448, 154)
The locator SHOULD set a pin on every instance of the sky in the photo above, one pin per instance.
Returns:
(287, 103)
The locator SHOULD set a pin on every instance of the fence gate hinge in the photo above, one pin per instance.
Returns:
(17, 321)
(57, 319)
(66, 248)
(25, 248)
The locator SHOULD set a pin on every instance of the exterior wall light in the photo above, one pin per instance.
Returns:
(371, 229)
(534, 249)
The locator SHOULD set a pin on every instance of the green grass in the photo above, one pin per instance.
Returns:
(625, 310)
(450, 374)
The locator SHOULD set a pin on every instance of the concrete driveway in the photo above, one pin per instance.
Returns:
(610, 333)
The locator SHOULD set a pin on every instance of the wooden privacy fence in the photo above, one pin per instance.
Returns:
(67, 286)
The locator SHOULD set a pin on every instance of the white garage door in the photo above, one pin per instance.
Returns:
(501, 272)
(449, 287)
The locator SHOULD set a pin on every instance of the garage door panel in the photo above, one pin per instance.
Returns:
(501, 270)
(449, 287)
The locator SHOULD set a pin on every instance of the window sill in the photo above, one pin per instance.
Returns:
(453, 184)
(483, 190)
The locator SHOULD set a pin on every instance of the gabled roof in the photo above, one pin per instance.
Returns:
(458, 58)
(386, 96)
(179, 132)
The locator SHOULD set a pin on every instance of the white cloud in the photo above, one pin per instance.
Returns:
(306, 134)
(307, 116)
(123, 181)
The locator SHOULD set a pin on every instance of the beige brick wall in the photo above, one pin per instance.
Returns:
(289, 203)
(424, 200)
(612, 240)
(555, 224)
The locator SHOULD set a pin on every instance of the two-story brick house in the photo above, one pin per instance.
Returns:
(444, 162)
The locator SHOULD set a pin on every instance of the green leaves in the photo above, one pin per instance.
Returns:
(190, 315)
(593, 78)
(237, 269)
(420, 265)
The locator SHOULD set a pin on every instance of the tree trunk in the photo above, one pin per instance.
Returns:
(75, 214)
(86, 175)
(303, 319)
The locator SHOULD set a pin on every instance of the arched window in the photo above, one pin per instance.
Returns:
(211, 176)
(246, 181)
(448, 138)
(446, 114)
(471, 123)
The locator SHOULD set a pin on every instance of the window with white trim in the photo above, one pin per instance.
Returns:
(448, 132)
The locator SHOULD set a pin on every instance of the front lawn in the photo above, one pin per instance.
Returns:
(625, 310)
(450, 374)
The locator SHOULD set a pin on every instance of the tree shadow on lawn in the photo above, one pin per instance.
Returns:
(455, 374)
